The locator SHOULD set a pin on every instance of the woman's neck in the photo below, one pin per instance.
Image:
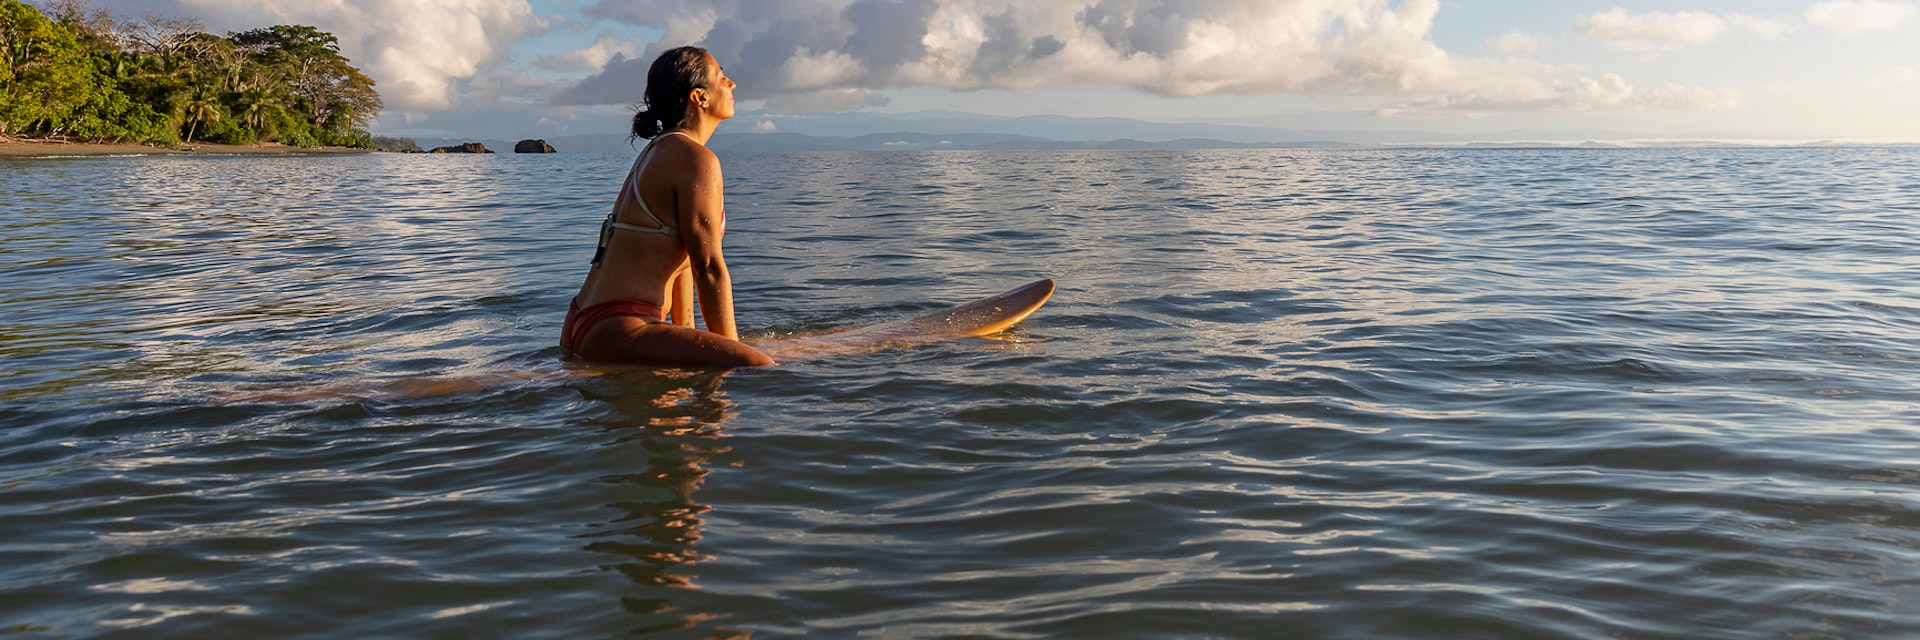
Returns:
(700, 129)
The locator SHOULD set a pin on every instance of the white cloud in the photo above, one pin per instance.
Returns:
(415, 50)
(1517, 41)
(836, 99)
(809, 70)
(1895, 78)
(1764, 27)
(1656, 31)
(499, 86)
(1166, 47)
(605, 46)
(843, 54)
(1857, 16)
(1609, 92)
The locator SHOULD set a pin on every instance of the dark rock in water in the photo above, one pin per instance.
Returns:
(470, 147)
(533, 146)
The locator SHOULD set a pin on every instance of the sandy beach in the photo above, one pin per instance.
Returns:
(16, 147)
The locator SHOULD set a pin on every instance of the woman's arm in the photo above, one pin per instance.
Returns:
(680, 296)
(703, 219)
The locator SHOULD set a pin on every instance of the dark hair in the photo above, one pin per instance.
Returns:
(673, 74)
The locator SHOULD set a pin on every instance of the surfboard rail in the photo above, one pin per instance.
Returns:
(981, 317)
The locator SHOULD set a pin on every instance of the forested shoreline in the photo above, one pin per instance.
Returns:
(72, 71)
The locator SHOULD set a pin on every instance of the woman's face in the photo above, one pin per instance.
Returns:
(719, 91)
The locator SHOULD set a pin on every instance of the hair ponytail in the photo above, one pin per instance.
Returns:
(664, 103)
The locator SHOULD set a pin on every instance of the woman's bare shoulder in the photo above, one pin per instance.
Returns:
(685, 150)
(679, 159)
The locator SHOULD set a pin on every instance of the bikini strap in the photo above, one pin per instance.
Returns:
(634, 184)
(607, 226)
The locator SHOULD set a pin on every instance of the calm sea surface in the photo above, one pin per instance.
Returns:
(1280, 393)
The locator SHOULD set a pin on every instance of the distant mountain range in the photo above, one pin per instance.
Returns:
(942, 130)
(894, 141)
(910, 141)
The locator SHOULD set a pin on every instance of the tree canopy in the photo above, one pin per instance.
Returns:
(74, 71)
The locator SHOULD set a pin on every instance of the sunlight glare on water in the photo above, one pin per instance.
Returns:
(1661, 393)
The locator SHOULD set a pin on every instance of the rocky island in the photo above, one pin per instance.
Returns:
(470, 147)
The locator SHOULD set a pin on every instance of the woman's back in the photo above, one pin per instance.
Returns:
(642, 247)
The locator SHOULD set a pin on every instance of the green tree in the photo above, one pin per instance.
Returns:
(112, 115)
(47, 74)
(202, 106)
(257, 107)
(74, 71)
(333, 94)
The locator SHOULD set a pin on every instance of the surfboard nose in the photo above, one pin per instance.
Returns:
(1042, 287)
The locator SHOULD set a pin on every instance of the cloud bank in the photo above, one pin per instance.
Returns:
(1609, 92)
(1517, 41)
(839, 54)
(836, 52)
(1857, 16)
(417, 51)
(1669, 31)
(605, 46)
(1654, 31)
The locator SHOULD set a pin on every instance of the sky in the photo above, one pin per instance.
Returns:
(1753, 69)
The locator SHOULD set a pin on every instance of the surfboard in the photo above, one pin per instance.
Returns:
(981, 317)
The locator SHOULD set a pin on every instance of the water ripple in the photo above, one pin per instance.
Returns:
(1377, 393)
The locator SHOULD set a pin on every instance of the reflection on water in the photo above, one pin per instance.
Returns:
(1372, 393)
(679, 421)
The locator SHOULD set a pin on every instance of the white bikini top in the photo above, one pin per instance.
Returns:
(633, 184)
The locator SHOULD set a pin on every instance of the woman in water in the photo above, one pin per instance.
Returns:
(661, 243)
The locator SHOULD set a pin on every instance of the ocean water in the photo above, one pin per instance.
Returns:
(1657, 393)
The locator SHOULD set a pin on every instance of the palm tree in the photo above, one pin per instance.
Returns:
(202, 107)
(257, 108)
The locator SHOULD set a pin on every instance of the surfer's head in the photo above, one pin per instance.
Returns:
(681, 80)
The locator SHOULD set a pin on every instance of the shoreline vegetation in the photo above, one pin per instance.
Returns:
(31, 148)
(75, 79)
